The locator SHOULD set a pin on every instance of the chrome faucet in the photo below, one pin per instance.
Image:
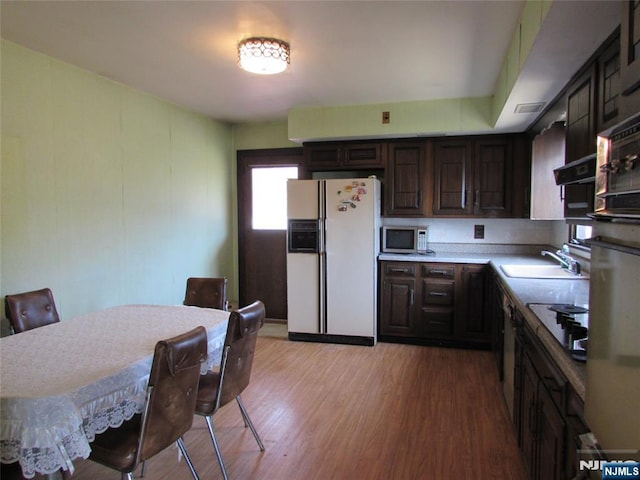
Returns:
(565, 260)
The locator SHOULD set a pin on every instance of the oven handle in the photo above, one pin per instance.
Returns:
(599, 242)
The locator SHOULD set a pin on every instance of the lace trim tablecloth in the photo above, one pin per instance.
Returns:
(64, 383)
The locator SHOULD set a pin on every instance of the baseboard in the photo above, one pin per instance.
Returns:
(326, 338)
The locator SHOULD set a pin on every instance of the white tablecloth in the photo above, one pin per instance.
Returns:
(62, 384)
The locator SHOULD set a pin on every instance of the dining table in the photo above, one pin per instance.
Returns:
(63, 383)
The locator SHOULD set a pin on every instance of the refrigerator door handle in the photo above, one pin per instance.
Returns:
(321, 229)
(322, 293)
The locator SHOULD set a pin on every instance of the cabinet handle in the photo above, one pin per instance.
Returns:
(532, 418)
(437, 294)
(464, 198)
(411, 297)
(438, 272)
(551, 383)
(398, 270)
(562, 193)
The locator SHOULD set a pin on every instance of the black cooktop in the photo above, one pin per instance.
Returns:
(569, 324)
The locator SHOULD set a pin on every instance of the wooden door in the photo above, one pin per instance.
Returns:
(262, 252)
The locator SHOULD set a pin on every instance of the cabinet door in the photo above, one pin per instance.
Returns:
(397, 311)
(547, 154)
(397, 306)
(453, 177)
(364, 155)
(609, 85)
(472, 319)
(575, 427)
(323, 156)
(551, 435)
(529, 415)
(581, 139)
(630, 57)
(493, 177)
(405, 178)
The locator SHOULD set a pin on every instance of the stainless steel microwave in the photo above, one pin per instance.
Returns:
(404, 239)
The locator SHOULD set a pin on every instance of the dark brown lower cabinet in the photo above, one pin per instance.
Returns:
(474, 317)
(551, 438)
(576, 426)
(398, 290)
(548, 413)
(528, 416)
(434, 303)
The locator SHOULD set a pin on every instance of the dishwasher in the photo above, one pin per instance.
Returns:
(509, 352)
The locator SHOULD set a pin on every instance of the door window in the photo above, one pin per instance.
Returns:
(269, 197)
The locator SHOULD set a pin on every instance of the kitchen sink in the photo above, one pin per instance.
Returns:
(540, 271)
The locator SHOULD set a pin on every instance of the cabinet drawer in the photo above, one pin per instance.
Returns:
(438, 271)
(400, 270)
(437, 293)
(437, 321)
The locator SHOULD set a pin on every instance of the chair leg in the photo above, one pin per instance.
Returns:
(183, 449)
(216, 447)
(247, 421)
(143, 469)
(127, 476)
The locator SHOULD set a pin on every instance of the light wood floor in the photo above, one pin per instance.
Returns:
(347, 412)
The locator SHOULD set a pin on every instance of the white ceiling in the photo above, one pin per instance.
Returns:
(342, 52)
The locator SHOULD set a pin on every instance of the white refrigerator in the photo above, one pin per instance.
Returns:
(612, 403)
(333, 242)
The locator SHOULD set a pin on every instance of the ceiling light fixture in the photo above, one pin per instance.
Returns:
(262, 55)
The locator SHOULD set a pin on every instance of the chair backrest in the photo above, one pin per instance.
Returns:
(206, 292)
(239, 349)
(172, 391)
(29, 310)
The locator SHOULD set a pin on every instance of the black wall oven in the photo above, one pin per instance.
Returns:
(618, 171)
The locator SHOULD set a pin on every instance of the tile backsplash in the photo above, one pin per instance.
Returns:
(496, 231)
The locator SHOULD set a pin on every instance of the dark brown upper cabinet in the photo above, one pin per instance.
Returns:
(608, 110)
(323, 156)
(405, 178)
(493, 177)
(581, 116)
(630, 58)
(452, 177)
(593, 104)
(475, 176)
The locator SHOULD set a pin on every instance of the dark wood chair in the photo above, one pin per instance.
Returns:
(29, 310)
(207, 293)
(168, 412)
(216, 389)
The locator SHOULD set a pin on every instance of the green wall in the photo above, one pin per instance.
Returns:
(408, 119)
(109, 195)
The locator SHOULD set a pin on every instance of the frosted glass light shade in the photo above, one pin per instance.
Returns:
(264, 56)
